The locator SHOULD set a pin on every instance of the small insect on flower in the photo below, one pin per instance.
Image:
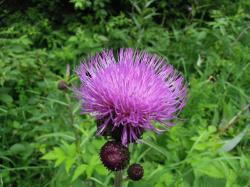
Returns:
(126, 94)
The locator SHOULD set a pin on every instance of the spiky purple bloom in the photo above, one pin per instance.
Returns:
(130, 92)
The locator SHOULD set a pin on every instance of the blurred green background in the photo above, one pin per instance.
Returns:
(44, 140)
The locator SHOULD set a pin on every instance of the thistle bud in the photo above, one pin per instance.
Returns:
(62, 85)
(114, 156)
(135, 172)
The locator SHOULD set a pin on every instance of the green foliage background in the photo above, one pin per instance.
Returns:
(44, 140)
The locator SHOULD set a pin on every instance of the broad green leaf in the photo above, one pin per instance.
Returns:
(211, 169)
(49, 156)
(155, 147)
(68, 163)
(231, 144)
(101, 170)
(6, 98)
(60, 156)
(78, 171)
(17, 148)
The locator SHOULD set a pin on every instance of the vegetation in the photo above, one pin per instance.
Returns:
(46, 142)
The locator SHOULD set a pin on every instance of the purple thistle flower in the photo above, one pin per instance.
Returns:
(129, 93)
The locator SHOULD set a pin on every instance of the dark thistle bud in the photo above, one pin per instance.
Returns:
(62, 85)
(114, 156)
(135, 172)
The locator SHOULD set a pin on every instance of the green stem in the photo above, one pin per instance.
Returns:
(118, 179)
(72, 121)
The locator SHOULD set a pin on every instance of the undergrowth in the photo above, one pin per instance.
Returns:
(44, 140)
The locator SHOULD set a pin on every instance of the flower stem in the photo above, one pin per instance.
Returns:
(72, 121)
(118, 179)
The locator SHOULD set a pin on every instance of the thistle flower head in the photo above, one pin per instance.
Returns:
(129, 92)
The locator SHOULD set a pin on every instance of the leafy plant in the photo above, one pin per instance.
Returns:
(44, 142)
